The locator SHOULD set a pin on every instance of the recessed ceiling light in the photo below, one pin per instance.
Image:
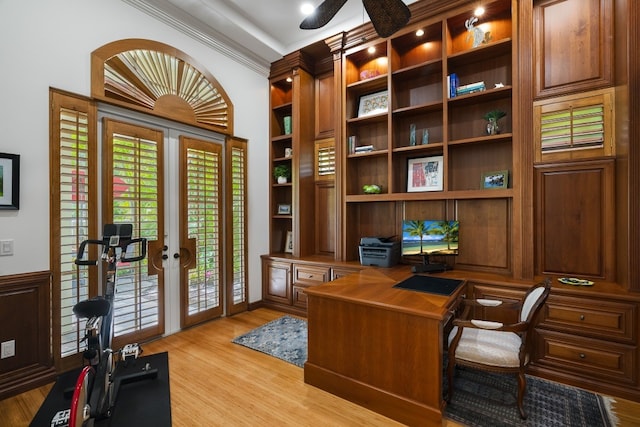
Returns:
(307, 9)
(479, 11)
(420, 32)
(372, 49)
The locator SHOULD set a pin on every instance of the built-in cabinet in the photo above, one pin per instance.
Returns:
(285, 279)
(422, 122)
(577, 341)
(567, 207)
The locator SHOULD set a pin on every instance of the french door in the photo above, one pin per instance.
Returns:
(182, 223)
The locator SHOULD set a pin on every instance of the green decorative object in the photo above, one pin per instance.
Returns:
(282, 173)
(287, 124)
(492, 118)
(371, 189)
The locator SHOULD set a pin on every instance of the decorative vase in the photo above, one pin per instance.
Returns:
(282, 180)
(412, 134)
(492, 127)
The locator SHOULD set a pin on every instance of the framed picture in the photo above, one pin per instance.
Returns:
(284, 209)
(425, 174)
(9, 181)
(288, 243)
(373, 103)
(498, 179)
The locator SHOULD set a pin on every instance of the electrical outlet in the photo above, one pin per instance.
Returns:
(8, 349)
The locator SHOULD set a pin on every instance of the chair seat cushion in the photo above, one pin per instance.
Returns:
(487, 347)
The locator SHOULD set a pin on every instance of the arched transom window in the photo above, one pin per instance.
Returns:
(156, 78)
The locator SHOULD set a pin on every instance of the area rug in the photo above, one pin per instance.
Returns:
(484, 399)
(284, 338)
(480, 399)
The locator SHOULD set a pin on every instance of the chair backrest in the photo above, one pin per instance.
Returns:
(534, 299)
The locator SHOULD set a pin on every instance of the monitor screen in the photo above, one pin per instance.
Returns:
(432, 237)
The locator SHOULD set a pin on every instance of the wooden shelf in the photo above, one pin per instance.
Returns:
(431, 195)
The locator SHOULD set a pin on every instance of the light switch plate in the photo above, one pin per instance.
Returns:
(6, 247)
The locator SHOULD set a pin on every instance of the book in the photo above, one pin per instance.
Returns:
(452, 84)
(364, 148)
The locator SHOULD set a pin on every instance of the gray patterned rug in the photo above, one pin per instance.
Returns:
(480, 400)
(284, 338)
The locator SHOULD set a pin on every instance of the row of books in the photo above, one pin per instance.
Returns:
(454, 89)
(353, 148)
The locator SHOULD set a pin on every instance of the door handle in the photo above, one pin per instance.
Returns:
(155, 249)
(187, 253)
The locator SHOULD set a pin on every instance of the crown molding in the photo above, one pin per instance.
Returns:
(212, 39)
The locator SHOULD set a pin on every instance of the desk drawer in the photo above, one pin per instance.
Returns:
(603, 319)
(310, 275)
(586, 357)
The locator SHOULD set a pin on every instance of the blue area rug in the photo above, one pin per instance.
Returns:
(481, 399)
(284, 338)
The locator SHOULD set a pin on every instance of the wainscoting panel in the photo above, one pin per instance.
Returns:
(25, 313)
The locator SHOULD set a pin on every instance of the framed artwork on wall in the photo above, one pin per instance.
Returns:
(497, 179)
(425, 174)
(284, 209)
(288, 243)
(373, 103)
(9, 181)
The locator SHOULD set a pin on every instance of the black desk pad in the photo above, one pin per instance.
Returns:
(429, 284)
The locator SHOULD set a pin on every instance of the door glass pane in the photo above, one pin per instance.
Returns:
(136, 190)
(74, 213)
(203, 224)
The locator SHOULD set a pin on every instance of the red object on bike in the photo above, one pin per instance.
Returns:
(80, 397)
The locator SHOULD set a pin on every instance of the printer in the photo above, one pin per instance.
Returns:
(379, 251)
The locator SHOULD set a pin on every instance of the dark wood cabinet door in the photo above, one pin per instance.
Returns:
(573, 46)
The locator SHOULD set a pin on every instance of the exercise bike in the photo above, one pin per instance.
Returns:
(95, 393)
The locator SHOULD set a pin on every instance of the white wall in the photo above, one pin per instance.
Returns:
(46, 43)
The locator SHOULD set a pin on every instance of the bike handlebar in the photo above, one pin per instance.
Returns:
(105, 243)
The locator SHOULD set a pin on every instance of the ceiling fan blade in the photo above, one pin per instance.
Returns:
(387, 16)
(322, 15)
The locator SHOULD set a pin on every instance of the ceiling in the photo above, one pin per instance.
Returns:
(259, 31)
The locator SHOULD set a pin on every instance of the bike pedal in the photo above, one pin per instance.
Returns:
(130, 350)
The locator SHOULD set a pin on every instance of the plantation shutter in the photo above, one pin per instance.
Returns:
(73, 216)
(132, 173)
(237, 215)
(575, 126)
(325, 159)
(202, 222)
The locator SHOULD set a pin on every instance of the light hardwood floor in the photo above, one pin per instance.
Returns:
(217, 383)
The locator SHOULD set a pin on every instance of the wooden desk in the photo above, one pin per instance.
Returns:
(379, 346)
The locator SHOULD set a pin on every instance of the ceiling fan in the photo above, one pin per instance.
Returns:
(387, 16)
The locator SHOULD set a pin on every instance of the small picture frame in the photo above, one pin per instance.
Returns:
(497, 179)
(284, 209)
(425, 174)
(373, 103)
(9, 181)
(288, 243)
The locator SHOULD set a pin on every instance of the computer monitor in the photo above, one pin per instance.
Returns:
(429, 237)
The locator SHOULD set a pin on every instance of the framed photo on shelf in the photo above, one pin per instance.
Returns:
(284, 209)
(497, 179)
(373, 103)
(425, 174)
(9, 181)
(288, 243)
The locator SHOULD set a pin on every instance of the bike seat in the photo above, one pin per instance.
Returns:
(93, 307)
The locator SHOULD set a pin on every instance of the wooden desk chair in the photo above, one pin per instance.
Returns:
(495, 346)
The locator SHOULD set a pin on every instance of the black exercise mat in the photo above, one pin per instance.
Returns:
(429, 284)
(143, 403)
